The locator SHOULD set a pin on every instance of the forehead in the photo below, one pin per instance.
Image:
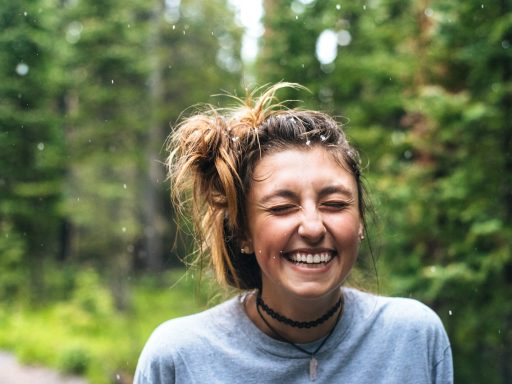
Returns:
(297, 168)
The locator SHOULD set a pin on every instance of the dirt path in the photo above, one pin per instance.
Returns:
(11, 372)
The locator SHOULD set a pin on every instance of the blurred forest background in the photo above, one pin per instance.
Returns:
(89, 90)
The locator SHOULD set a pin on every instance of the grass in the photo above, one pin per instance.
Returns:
(85, 335)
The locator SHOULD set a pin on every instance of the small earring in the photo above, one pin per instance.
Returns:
(245, 250)
(361, 237)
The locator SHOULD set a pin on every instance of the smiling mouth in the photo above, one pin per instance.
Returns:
(309, 258)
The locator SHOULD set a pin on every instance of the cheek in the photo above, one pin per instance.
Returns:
(269, 235)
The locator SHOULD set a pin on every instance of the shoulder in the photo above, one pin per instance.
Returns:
(173, 339)
(396, 313)
(182, 331)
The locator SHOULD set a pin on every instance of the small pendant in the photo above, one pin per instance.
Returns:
(313, 365)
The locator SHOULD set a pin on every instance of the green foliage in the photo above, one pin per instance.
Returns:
(14, 272)
(86, 335)
(31, 153)
(74, 360)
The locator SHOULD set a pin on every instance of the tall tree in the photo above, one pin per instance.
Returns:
(31, 147)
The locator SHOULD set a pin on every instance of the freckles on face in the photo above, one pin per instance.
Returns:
(303, 220)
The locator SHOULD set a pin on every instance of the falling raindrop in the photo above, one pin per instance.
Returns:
(25, 13)
(450, 312)
(364, 7)
(338, 7)
(327, 46)
(124, 186)
(22, 69)
(344, 38)
(74, 31)
(112, 81)
(124, 229)
(40, 146)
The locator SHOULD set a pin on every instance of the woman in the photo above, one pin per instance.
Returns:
(279, 206)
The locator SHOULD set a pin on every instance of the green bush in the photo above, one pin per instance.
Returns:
(75, 359)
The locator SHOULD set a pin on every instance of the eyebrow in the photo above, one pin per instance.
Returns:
(329, 190)
(285, 193)
(332, 189)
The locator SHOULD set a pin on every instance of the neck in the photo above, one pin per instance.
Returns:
(298, 310)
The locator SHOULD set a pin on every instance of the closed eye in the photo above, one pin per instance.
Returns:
(335, 205)
(281, 209)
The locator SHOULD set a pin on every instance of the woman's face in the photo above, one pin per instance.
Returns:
(304, 223)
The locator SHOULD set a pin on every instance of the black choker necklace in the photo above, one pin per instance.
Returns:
(297, 324)
(313, 362)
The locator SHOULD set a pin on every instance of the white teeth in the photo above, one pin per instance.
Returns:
(309, 258)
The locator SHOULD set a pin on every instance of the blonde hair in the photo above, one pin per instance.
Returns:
(212, 156)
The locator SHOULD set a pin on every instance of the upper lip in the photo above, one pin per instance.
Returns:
(309, 250)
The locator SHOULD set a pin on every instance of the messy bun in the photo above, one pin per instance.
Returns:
(212, 156)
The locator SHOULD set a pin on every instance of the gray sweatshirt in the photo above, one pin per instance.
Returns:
(377, 340)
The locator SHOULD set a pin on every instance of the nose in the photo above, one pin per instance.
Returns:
(311, 227)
